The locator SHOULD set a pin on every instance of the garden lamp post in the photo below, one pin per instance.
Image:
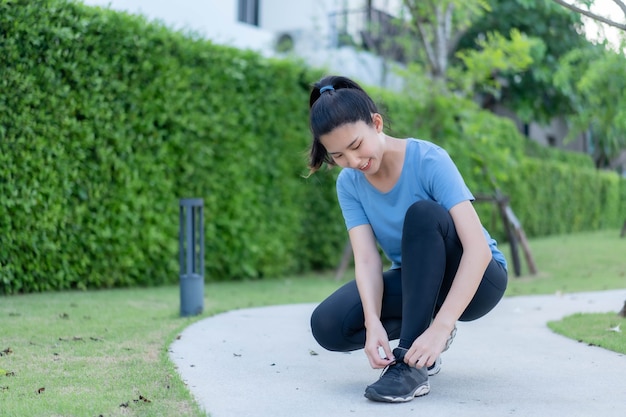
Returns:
(191, 256)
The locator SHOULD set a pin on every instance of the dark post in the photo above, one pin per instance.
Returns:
(191, 256)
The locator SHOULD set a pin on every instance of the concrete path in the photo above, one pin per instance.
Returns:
(264, 362)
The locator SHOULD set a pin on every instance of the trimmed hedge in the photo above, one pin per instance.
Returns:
(553, 198)
(106, 120)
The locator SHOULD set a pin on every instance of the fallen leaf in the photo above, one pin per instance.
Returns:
(143, 399)
(41, 390)
(615, 329)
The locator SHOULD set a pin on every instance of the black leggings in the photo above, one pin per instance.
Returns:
(431, 253)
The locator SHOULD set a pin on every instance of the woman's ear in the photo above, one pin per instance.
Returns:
(377, 120)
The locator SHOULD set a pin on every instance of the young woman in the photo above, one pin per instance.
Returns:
(407, 197)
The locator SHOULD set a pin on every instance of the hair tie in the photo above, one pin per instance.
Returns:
(327, 88)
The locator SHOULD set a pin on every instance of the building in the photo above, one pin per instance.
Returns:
(321, 32)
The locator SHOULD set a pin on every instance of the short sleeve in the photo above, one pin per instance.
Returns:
(442, 180)
(351, 207)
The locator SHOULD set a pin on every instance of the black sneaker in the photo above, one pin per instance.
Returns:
(399, 382)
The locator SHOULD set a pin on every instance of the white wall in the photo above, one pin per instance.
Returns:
(307, 20)
(213, 19)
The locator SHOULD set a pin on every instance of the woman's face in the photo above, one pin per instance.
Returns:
(356, 145)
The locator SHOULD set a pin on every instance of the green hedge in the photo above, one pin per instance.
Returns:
(553, 198)
(106, 120)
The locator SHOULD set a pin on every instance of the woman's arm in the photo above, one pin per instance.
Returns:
(474, 261)
(368, 273)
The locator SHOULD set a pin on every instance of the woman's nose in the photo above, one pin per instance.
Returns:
(353, 161)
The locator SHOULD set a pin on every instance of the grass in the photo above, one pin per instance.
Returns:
(607, 330)
(580, 262)
(573, 263)
(106, 352)
(103, 352)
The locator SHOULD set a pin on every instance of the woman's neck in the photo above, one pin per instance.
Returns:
(391, 165)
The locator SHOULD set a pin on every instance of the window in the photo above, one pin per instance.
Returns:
(248, 12)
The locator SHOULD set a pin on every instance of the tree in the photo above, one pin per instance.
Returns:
(595, 80)
(440, 25)
(496, 55)
(531, 93)
(584, 8)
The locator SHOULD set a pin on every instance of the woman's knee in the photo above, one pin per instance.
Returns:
(335, 318)
(426, 213)
(326, 328)
(424, 207)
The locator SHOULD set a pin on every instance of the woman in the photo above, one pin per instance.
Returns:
(407, 197)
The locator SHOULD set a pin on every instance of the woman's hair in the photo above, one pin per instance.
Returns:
(335, 101)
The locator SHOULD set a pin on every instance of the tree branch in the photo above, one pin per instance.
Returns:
(430, 53)
(421, 28)
(441, 41)
(595, 16)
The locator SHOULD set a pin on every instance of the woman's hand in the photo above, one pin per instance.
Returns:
(428, 346)
(375, 338)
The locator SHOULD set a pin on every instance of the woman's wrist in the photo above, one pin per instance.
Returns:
(444, 323)
(371, 320)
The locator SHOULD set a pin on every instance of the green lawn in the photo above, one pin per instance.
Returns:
(105, 352)
(573, 263)
(607, 330)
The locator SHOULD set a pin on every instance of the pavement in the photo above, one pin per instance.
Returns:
(264, 362)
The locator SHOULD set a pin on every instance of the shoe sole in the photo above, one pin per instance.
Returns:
(419, 392)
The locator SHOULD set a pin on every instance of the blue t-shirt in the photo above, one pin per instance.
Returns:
(428, 173)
